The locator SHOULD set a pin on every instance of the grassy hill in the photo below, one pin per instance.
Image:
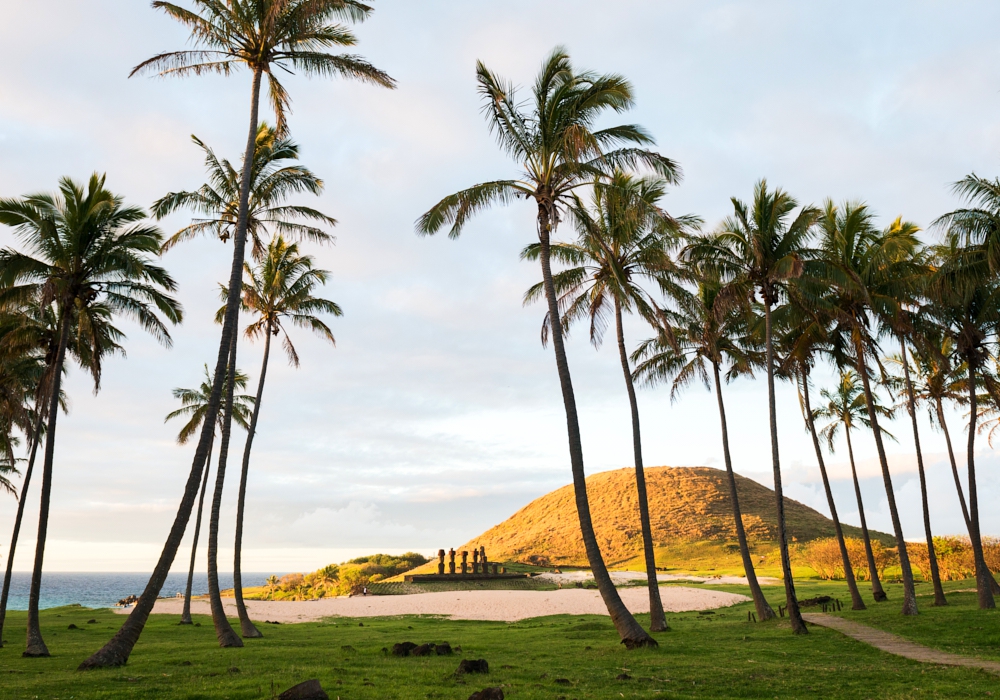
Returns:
(691, 518)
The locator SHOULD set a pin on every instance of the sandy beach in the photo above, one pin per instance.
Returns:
(506, 606)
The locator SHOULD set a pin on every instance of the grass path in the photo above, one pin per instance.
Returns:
(894, 644)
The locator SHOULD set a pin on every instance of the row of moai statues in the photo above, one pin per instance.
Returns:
(480, 564)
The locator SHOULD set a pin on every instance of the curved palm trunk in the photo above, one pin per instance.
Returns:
(631, 633)
(798, 626)
(983, 588)
(657, 620)
(247, 627)
(223, 630)
(119, 647)
(36, 433)
(909, 594)
(186, 612)
(877, 591)
(35, 644)
(911, 408)
(852, 585)
(764, 611)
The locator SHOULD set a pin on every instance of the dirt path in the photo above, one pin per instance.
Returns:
(895, 644)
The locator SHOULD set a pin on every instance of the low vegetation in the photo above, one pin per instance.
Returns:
(349, 578)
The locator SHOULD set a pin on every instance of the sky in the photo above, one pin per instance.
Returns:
(438, 413)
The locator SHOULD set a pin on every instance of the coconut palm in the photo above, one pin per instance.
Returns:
(194, 406)
(757, 250)
(554, 140)
(965, 298)
(624, 237)
(846, 409)
(90, 258)
(273, 179)
(278, 290)
(261, 36)
(705, 329)
(869, 271)
(976, 227)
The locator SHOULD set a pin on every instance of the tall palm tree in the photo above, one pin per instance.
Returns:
(554, 140)
(624, 237)
(273, 178)
(758, 250)
(89, 256)
(846, 408)
(279, 289)
(261, 36)
(965, 297)
(704, 329)
(194, 406)
(869, 271)
(804, 335)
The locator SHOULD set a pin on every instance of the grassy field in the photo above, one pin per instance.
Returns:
(704, 656)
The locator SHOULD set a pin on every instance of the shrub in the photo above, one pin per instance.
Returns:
(955, 558)
(823, 556)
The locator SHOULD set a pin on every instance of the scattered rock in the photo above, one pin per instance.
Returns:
(403, 648)
(185, 663)
(458, 650)
(385, 651)
(271, 622)
(443, 649)
(233, 669)
(307, 690)
(422, 650)
(563, 681)
(347, 647)
(72, 627)
(361, 624)
(488, 694)
(473, 666)
(706, 612)
(197, 624)
(91, 621)
(623, 677)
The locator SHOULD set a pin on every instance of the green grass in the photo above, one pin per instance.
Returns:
(705, 656)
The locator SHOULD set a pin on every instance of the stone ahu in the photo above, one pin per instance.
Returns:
(479, 569)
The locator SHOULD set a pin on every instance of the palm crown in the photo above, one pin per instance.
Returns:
(194, 405)
(846, 408)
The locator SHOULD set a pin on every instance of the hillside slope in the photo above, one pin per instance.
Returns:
(690, 513)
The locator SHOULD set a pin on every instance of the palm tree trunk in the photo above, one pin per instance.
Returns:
(909, 594)
(852, 585)
(631, 633)
(657, 620)
(35, 435)
(764, 611)
(186, 612)
(911, 408)
(983, 589)
(994, 586)
(246, 626)
(877, 591)
(223, 629)
(798, 626)
(119, 647)
(35, 644)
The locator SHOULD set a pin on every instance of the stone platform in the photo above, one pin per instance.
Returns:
(430, 578)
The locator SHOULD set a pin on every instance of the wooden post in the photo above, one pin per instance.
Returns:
(451, 561)
(440, 562)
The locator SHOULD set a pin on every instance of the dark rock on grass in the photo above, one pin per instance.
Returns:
(91, 621)
(233, 669)
(488, 694)
(347, 647)
(403, 648)
(473, 666)
(72, 627)
(185, 663)
(361, 624)
(422, 650)
(623, 677)
(563, 681)
(307, 690)
(443, 649)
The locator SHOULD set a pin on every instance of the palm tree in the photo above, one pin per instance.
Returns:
(624, 238)
(869, 271)
(272, 181)
(194, 406)
(90, 256)
(804, 336)
(846, 408)
(705, 329)
(965, 298)
(554, 141)
(280, 288)
(260, 35)
(757, 250)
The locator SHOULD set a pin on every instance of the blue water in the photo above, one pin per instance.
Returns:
(104, 590)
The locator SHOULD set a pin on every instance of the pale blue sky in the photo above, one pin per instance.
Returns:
(438, 414)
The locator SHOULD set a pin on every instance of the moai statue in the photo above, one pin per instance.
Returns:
(440, 562)
(475, 561)
(451, 561)
(482, 558)
(465, 562)
(495, 567)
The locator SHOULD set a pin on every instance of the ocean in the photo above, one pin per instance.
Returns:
(93, 590)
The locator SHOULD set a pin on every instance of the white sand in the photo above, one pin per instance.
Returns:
(507, 606)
